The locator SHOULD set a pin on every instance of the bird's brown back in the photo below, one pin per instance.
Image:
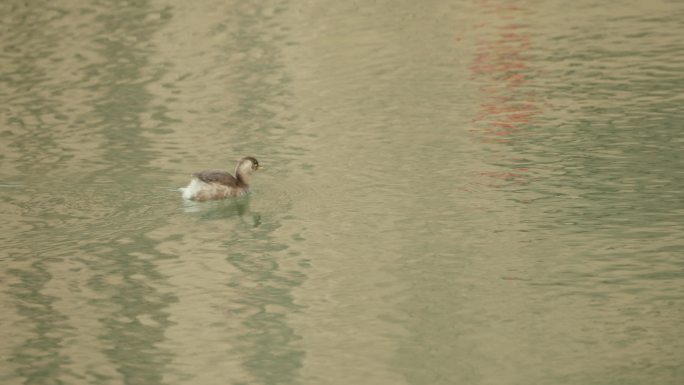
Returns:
(215, 176)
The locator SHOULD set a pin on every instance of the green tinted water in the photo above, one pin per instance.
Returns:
(477, 192)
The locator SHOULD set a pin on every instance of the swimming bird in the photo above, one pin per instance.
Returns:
(214, 184)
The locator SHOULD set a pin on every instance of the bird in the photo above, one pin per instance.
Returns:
(216, 184)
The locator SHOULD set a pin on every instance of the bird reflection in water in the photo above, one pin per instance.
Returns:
(224, 209)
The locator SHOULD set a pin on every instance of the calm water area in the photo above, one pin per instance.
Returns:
(481, 192)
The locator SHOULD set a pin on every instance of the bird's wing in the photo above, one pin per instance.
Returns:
(220, 177)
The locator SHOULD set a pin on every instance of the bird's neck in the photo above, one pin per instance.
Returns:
(242, 178)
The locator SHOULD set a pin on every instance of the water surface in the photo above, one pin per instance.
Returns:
(465, 192)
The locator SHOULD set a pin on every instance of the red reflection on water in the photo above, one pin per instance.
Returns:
(501, 67)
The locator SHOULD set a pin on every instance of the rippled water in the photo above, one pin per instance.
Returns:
(465, 192)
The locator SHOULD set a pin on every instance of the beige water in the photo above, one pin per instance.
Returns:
(454, 192)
